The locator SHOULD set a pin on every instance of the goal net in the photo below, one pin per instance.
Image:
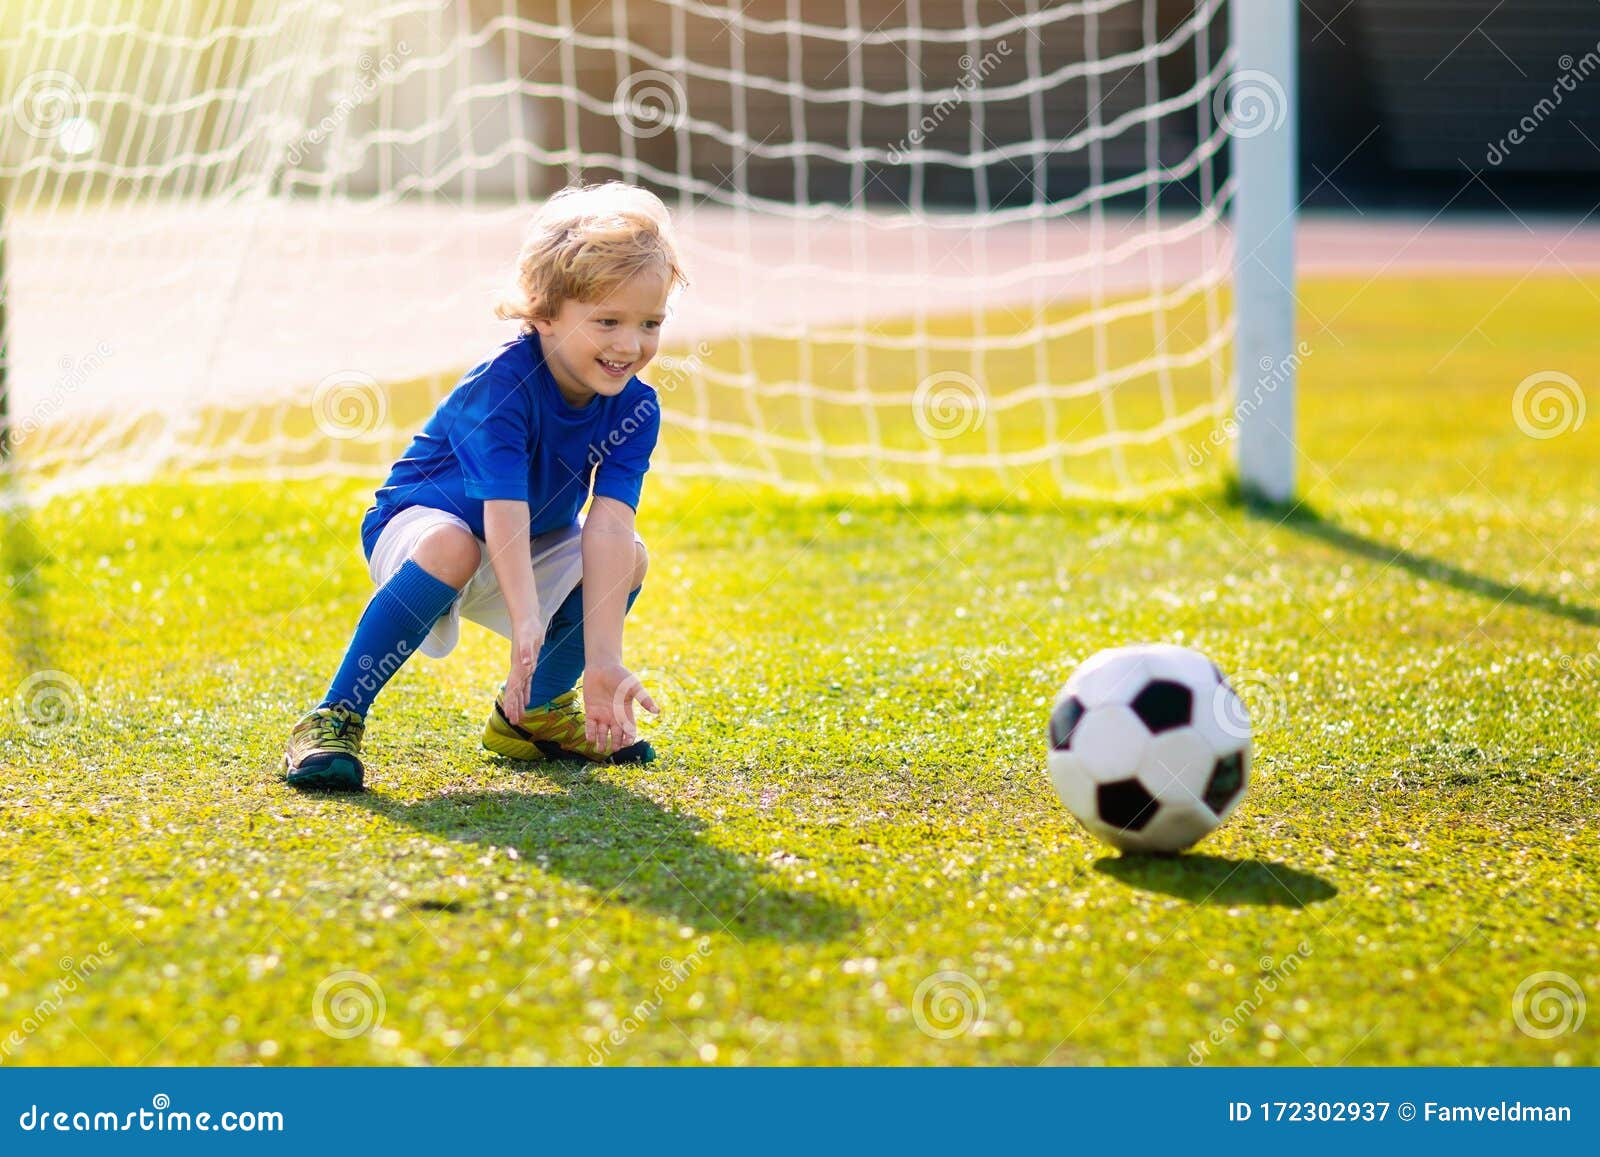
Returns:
(931, 243)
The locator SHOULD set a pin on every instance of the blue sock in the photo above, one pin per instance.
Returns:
(560, 660)
(395, 622)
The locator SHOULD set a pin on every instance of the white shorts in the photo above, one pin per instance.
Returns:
(557, 568)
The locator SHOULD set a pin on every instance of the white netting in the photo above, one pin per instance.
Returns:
(936, 242)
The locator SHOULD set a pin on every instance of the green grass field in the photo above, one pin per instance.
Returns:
(851, 804)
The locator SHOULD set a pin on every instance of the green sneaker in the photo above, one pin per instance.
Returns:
(554, 731)
(324, 751)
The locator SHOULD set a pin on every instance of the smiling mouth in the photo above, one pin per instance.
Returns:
(616, 369)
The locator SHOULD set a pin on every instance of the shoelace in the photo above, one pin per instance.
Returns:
(569, 720)
(564, 717)
(337, 732)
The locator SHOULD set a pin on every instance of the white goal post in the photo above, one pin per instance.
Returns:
(1039, 248)
(1265, 45)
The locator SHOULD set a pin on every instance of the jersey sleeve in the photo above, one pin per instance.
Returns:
(492, 433)
(621, 470)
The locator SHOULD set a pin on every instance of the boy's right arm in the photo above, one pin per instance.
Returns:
(505, 531)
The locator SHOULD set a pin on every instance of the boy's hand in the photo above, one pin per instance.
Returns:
(527, 640)
(609, 693)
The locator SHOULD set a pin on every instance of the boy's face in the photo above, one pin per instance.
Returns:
(595, 347)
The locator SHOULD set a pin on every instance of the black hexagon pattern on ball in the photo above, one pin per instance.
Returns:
(1226, 780)
(1064, 721)
(1125, 804)
(1163, 705)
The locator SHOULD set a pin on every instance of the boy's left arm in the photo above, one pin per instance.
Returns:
(609, 688)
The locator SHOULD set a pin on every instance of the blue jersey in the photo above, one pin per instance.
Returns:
(505, 431)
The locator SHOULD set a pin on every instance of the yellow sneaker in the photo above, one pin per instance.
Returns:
(554, 731)
(324, 752)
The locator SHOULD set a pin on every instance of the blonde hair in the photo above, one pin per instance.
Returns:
(583, 243)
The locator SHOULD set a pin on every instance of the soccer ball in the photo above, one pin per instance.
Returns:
(1149, 747)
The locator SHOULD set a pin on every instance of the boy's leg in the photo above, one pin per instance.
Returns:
(324, 748)
(560, 663)
(552, 724)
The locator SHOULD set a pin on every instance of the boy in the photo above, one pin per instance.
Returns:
(480, 517)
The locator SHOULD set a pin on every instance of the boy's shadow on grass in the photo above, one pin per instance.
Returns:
(1312, 524)
(1219, 880)
(628, 850)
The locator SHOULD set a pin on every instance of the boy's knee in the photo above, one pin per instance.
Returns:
(450, 554)
(641, 564)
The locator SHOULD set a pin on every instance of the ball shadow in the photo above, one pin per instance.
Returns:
(627, 849)
(1206, 879)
